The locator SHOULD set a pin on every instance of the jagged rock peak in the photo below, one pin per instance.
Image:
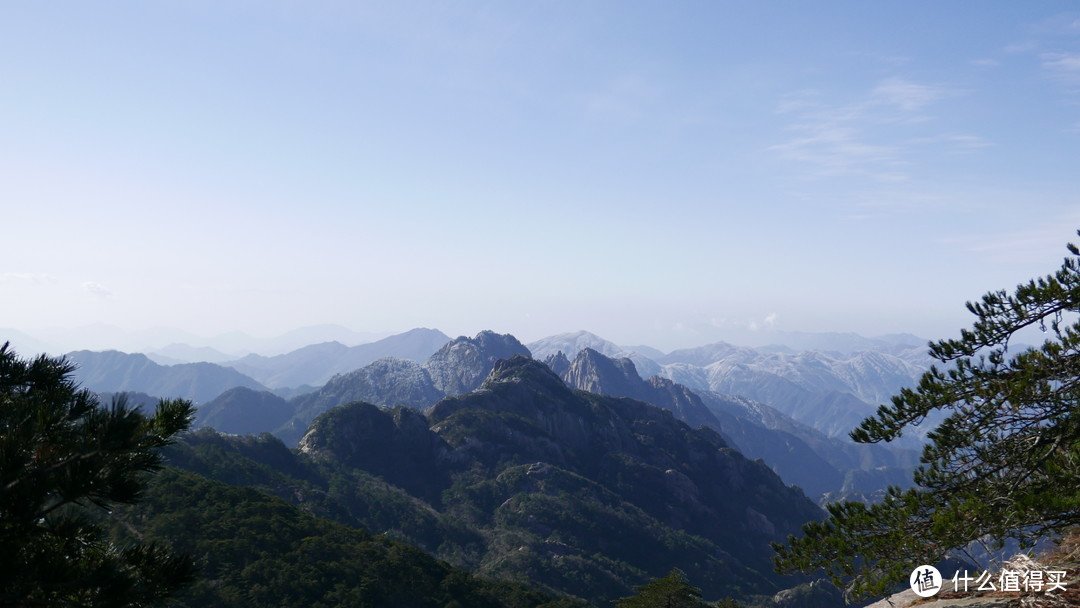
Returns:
(594, 372)
(558, 363)
(462, 364)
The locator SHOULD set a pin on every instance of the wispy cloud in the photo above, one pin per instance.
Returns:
(834, 148)
(1065, 62)
(96, 289)
(1063, 67)
(849, 139)
(956, 143)
(769, 322)
(860, 137)
(906, 95)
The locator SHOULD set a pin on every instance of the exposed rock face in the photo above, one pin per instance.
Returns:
(799, 453)
(458, 367)
(573, 343)
(817, 594)
(558, 363)
(387, 381)
(593, 372)
(461, 365)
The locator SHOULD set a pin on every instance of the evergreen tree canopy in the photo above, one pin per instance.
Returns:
(61, 454)
(671, 591)
(1004, 463)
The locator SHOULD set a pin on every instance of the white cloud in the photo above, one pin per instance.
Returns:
(96, 289)
(1064, 69)
(858, 138)
(1066, 62)
(838, 150)
(906, 95)
(956, 143)
(768, 322)
(968, 142)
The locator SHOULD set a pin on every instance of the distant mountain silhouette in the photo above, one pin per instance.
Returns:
(317, 363)
(114, 371)
(242, 411)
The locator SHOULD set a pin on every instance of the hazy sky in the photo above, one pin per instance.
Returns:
(652, 171)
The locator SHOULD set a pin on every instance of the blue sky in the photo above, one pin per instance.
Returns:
(654, 172)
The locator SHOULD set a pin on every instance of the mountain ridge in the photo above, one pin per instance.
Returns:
(524, 438)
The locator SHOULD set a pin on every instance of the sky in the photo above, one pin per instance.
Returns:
(657, 173)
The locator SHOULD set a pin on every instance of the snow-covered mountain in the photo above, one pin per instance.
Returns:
(570, 344)
(831, 391)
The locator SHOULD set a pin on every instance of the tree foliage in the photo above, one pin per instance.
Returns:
(670, 591)
(61, 455)
(1004, 463)
(258, 550)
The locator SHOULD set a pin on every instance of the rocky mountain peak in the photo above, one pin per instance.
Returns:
(593, 372)
(558, 363)
(462, 364)
(394, 443)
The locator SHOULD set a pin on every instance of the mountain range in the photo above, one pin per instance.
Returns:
(791, 409)
(525, 479)
(315, 364)
(582, 475)
(114, 371)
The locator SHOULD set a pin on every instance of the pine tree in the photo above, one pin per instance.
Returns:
(1004, 463)
(64, 460)
(670, 591)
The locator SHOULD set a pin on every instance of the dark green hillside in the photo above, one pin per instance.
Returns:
(554, 482)
(243, 410)
(526, 480)
(256, 550)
